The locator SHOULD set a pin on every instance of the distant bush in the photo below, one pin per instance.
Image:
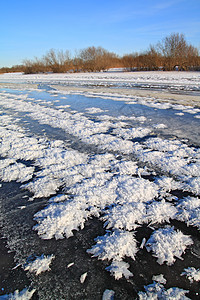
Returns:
(172, 53)
(17, 68)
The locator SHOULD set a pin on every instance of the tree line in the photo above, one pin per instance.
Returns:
(172, 53)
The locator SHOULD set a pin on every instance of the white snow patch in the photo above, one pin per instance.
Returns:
(160, 212)
(128, 216)
(70, 265)
(189, 211)
(158, 292)
(131, 133)
(60, 219)
(108, 295)
(43, 187)
(179, 114)
(115, 246)
(159, 278)
(40, 264)
(119, 269)
(160, 126)
(94, 110)
(17, 171)
(166, 244)
(192, 274)
(83, 277)
(25, 294)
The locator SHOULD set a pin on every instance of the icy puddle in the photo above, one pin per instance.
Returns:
(99, 196)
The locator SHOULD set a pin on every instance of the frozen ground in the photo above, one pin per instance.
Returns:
(100, 185)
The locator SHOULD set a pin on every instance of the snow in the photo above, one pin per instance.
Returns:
(192, 274)
(25, 294)
(177, 79)
(160, 212)
(18, 172)
(157, 291)
(131, 133)
(108, 295)
(167, 244)
(83, 277)
(126, 181)
(119, 269)
(189, 211)
(94, 110)
(115, 246)
(159, 278)
(70, 265)
(40, 264)
(60, 219)
(128, 216)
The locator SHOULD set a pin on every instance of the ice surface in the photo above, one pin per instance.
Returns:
(129, 185)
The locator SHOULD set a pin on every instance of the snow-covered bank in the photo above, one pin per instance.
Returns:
(188, 79)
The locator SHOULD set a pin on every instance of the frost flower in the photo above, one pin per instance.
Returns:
(156, 291)
(40, 264)
(192, 274)
(115, 247)
(166, 244)
(118, 269)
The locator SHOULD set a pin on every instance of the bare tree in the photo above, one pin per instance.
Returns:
(95, 59)
(58, 62)
(176, 51)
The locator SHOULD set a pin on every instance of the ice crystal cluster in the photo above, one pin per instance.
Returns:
(123, 173)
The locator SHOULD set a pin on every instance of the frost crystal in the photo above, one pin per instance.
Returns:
(156, 291)
(108, 295)
(159, 278)
(40, 264)
(159, 212)
(192, 274)
(25, 294)
(166, 244)
(189, 211)
(125, 217)
(119, 269)
(115, 247)
(60, 219)
(83, 277)
(17, 171)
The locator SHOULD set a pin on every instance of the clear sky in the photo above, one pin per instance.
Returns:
(29, 28)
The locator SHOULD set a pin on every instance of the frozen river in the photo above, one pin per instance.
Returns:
(99, 186)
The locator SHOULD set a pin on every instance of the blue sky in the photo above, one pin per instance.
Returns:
(29, 28)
